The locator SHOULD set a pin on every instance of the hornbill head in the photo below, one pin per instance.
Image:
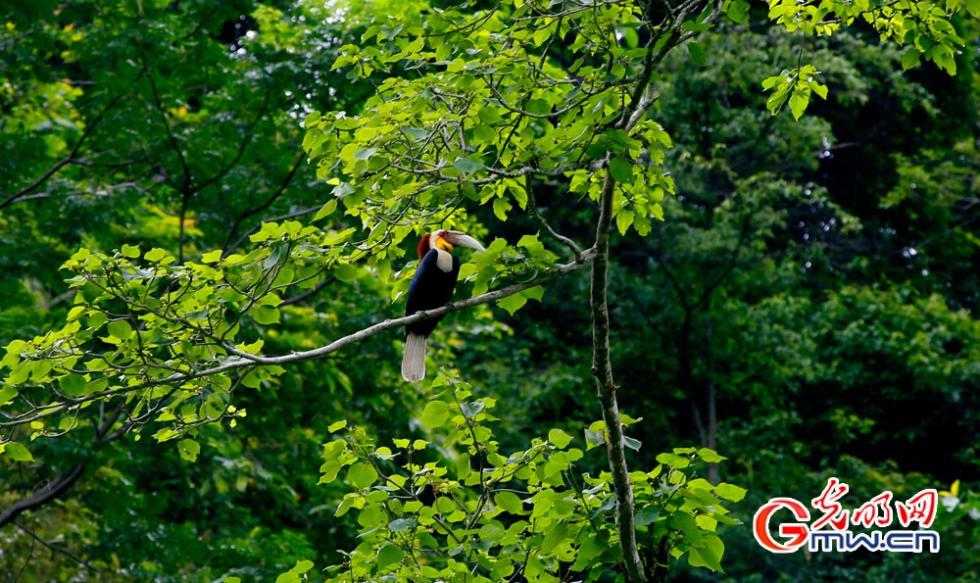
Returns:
(446, 240)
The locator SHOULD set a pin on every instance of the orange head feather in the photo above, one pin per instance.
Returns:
(423, 247)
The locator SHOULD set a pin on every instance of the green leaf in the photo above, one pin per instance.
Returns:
(18, 452)
(402, 524)
(491, 532)
(155, 254)
(559, 438)
(468, 165)
(771, 82)
(647, 515)
(538, 107)
(365, 153)
(435, 414)
(490, 115)
(510, 502)
(621, 170)
(337, 426)
(120, 329)
(211, 256)
(500, 208)
(556, 535)
(675, 461)
(738, 11)
(188, 449)
(706, 522)
(372, 516)
(594, 439)
(265, 315)
(798, 102)
(541, 35)
(910, 58)
(388, 555)
(326, 210)
(361, 475)
(623, 221)
(293, 575)
(657, 211)
(418, 134)
(131, 251)
(7, 395)
(512, 303)
(73, 384)
(707, 553)
(346, 272)
(634, 444)
(730, 491)
(684, 522)
(697, 54)
(710, 455)
(165, 434)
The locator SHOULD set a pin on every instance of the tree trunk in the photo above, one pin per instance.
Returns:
(606, 388)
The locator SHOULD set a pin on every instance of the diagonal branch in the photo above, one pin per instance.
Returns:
(242, 360)
(56, 548)
(301, 297)
(43, 495)
(233, 230)
(69, 159)
(247, 359)
(536, 213)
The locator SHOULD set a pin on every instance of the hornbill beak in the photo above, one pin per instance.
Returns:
(459, 239)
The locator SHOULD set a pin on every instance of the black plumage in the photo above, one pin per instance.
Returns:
(430, 288)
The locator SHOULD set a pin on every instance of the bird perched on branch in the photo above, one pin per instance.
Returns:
(432, 286)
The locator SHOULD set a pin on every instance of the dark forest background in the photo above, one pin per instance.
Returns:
(807, 308)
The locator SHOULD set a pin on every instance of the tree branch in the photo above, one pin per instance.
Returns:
(606, 387)
(245, 359)
(70, 158)
(268, 202)
(55, 548)
(536, 213)
(43, 495)
(309, 293)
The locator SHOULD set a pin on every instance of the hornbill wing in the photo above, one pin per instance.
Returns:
(430, 288)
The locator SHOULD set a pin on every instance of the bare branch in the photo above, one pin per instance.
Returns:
(55, 548)
(533, 208)
(336, 345)
(309, 293)
(606, 387)
(43, 495)
(268, 202)
(69, 159)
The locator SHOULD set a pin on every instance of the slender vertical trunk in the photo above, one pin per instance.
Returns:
(602, 370)
(684, 376)
(712, 430)
(712, 403)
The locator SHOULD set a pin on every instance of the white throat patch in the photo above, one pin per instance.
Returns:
(444, 260)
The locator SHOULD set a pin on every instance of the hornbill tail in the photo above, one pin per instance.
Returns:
(413, 362)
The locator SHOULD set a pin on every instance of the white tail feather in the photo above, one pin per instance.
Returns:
(413, 363)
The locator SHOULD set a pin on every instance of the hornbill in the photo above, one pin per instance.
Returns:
(432, 286)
